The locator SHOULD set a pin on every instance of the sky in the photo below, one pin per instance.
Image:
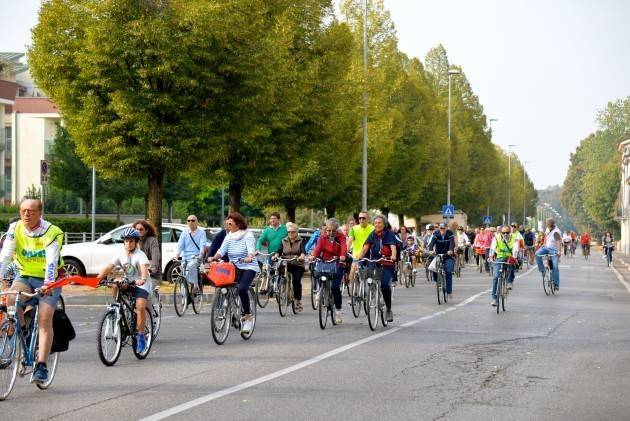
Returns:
(543, 68)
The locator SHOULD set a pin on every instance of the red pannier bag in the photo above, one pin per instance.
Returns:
(480, 250)
(222, 274)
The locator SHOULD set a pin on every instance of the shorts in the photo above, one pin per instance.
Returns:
(141, 293)
(33, 283)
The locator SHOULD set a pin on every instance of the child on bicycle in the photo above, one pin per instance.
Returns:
(413, 249)
(135, 266)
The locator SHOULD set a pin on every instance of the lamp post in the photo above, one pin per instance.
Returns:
(365, 102)
(490, 121)
(509, 218)
(451, 72)
(524, 172)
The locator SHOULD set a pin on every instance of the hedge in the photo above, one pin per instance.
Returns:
(72, 224)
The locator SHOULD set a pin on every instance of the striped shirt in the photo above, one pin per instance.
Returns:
(238, 247)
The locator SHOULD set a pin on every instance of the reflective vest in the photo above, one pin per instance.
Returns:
(504, 250)
(30, 252)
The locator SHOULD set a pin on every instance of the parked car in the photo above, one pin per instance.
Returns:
(91, 257)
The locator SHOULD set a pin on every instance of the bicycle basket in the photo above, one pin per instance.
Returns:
(222, 274)
(375, 272)
(324, 267)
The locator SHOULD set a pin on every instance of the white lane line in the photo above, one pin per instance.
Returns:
(620, 277)
(230, 390)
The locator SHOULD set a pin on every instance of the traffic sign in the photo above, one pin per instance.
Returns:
(43, 172)
(487, 219)
(448, 211)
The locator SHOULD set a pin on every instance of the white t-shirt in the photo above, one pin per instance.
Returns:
(550, 241)
(131, 264)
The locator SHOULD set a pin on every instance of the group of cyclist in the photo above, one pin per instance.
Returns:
(34, 244)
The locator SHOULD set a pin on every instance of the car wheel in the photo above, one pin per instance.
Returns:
(73, 266)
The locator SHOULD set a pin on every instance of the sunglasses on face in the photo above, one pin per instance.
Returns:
(362, 217)
(505, 233)
(192, 220)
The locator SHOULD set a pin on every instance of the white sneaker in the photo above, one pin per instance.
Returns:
(494, 303)
(415, 270)
(247, 326)
(338, 319)
(450, 296)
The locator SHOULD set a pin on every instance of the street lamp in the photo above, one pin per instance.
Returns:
(509, 220)
(451, 72)
(524, 172)
(365, 104)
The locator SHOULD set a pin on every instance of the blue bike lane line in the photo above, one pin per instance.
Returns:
(311, 361)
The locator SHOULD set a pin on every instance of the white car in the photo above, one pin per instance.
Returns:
(91, 257)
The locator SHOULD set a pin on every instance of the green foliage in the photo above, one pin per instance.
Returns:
(70, 224)
(32, 192)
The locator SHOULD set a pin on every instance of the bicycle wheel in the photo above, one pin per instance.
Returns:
(458, 269)
(283, 296)
(109, 338)
(220, 316)
(156, 308)
(322, 307)
(444, 294)
(313, 290)
(262, 299)
(504, 291)
(355, 298)
(381, 308)
(413, 278)
(197, 299)
(372, 305)
(438, 287)
(407, 277)
(148, 334)
(180, 295)
(252, 306)
(51, 363)
(546, 282)
(10, 357)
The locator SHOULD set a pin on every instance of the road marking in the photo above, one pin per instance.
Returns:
(620, 277)
(230, 390)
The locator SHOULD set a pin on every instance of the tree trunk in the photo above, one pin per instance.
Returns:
(290, 212)
(146, 207)
(118, 211)
(170, 211)
(401, 219)
(235, 193)
(330, 211)
(154, 196)
(385, 211)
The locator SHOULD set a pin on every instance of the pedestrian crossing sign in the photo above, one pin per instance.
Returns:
(448, 211)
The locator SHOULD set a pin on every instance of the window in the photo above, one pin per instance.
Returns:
(166, 235)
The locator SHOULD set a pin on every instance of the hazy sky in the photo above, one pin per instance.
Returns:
(543, 68)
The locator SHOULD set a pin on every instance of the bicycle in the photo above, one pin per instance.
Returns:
(406, 264)
(440, 285)
(19, 352)
(227, 311)
(586, 251)
(325, 273)
(262, 281)
(608, 254)
(375, 302)
(502, 285)
(184, 292)
(547, 281)
(358, 297)
(285, 287)
(530, 256)
(156, 308)
(459, 262)
(118, 324)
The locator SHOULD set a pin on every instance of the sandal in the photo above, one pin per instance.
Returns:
(299, 307)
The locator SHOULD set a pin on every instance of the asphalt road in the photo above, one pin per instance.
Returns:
(563, 357)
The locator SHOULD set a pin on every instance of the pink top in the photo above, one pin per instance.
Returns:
(484, 240)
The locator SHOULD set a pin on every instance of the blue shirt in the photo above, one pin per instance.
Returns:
(442, 244)
(189, 248)
(312, 242)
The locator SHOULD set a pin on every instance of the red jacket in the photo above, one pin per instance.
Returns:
(329, 250)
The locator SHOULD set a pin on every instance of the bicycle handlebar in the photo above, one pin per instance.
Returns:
(382, 259)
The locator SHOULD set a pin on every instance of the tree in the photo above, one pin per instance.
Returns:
(176, 189)
(67, 170)
(120, 190)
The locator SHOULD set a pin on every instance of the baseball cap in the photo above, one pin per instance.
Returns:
(442, 224)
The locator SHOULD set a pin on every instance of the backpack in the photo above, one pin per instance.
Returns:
(63, 332)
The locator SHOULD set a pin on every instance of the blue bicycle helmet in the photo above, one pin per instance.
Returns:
(130, 232)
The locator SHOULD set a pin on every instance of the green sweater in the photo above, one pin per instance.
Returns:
(273, 237)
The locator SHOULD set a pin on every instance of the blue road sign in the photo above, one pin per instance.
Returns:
(487, 219)
(448, 211)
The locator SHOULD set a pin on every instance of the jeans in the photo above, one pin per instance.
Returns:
(386, 285)
(245, 279)
(336, 285)
(449, 265)
(296, 272)
(555, 270)
(495, 279)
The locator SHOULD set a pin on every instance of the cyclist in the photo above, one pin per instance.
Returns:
(483, 241)
(293, 246)
(462, 242)
(239, 246)
(585, 242)
(332, 245)
(358, 234)
(608, 245)
(191, 243)
(382, 243)
(504, 248)
(566, 242)
(272, 235)
(443, 242)
(471, 240)
(149, 245)
(521, 243)
(135, 266)
(412, 249)
(530, 240)
(552, 242)
(312, 242)
(35, 244)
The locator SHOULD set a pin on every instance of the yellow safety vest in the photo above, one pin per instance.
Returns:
(30, 252)
(503, 249)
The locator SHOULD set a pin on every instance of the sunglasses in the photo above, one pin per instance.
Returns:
(362, 217)
(504, 232)
(192, 220)
(442, 228)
